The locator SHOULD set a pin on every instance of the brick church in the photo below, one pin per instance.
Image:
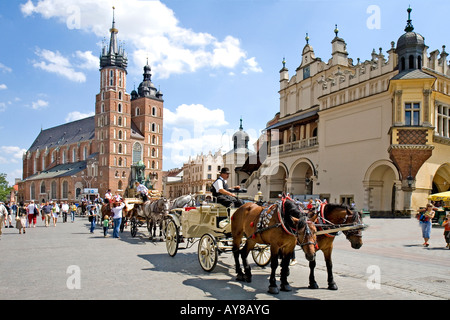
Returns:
(121, 143)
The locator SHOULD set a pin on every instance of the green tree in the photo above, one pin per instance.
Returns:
(5, 190)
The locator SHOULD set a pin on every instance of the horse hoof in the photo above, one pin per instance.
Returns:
(240, 277)
(313, 286)
(332, 286)
(274, 290)
(285, 287)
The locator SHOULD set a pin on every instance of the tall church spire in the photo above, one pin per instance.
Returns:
(113, 56)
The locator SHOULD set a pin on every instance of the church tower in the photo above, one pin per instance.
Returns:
(113, 117)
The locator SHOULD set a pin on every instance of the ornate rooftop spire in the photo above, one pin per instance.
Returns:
(113, 56)
(409, 27)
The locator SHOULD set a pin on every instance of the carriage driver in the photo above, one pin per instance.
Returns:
(220, 190)
(142, 190)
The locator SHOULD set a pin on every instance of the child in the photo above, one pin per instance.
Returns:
(446, 225)
(105, 225)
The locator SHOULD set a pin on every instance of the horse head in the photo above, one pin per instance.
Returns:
(306, 230)
(164, 205)
(341, 214)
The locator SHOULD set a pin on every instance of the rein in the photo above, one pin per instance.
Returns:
(325, 224)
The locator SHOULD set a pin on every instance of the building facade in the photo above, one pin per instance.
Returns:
(373, 133)
(98, 153)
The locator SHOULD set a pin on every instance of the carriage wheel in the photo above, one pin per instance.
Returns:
(261, 255)
(172, 237)
(133, 227)
(207, 252)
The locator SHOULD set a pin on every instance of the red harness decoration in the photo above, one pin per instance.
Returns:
(322, 217)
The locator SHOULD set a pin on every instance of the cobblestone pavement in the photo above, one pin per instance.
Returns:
(67, 262)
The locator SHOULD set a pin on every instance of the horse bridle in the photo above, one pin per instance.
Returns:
(307, 233)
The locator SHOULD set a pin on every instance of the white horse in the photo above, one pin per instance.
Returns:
(154, 212)
(183, 201)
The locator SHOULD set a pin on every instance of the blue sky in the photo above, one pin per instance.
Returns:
(214, 60)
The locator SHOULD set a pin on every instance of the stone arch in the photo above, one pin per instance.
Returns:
(301, 178)
(277, 179)
(382, 189)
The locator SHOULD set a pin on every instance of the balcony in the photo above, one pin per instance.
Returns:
(296, 145)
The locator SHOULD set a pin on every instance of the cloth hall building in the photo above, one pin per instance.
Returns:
(121, 143)
(373, 133)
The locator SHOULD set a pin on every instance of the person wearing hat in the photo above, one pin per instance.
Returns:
(220, 190)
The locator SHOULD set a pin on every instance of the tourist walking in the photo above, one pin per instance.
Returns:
(92, 217)
(117, 217)
(73, 210)
(55, 212)
(3, 216)
(21, 218)
(446, 225)
(105, 225)
(47, 213)
(425, 224)
(65, 211)
(33, 213)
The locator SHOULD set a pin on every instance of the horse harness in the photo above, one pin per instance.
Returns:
(323, 224)
(266, 215)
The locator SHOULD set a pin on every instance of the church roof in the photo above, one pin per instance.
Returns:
(69, 133)
(62, 170)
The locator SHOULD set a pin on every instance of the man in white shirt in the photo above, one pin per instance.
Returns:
(142, 190)
(117, 217)
(65, 210)
(220, 190)
(32, 217)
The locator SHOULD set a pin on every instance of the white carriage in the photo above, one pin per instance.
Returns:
(210, 225)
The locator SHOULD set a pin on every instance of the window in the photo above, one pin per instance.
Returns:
(412, 114)
(119, 121)
(32, 191)
(65, 190)
(411, 62)
(137, 152)
(42, 187)
(119, 108)
(443, 121)
(53, 190)
(154, 111)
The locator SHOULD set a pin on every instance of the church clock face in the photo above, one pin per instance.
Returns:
(306, 72)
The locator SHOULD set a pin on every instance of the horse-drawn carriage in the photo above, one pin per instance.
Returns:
(209, 225)
(269, 233)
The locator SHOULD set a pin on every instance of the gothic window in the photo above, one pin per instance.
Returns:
(53, 190)
(120, 148)
(119, 108)
(120, 93)
(154, 111)
(120, 162)
(120, 185)
(153, 127)
(119, 121)
(120, 136)
(137, 152)
(42, 187)
(65, 190)
(32, 191)
(138, 111)
(412, 114)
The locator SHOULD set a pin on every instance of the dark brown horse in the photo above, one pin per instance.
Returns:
(333, 214)
(281, 226)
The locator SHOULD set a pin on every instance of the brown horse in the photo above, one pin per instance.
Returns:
(279, 218)
(333, 214)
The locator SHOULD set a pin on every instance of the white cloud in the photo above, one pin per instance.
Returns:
(194, 115)
(2, 106)
(76, 115)
(149, 29)
(87, 60)
(11, 154)
(40, 104)
(4, 68)
(251, 66)
(3, 87)
(55, 62)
